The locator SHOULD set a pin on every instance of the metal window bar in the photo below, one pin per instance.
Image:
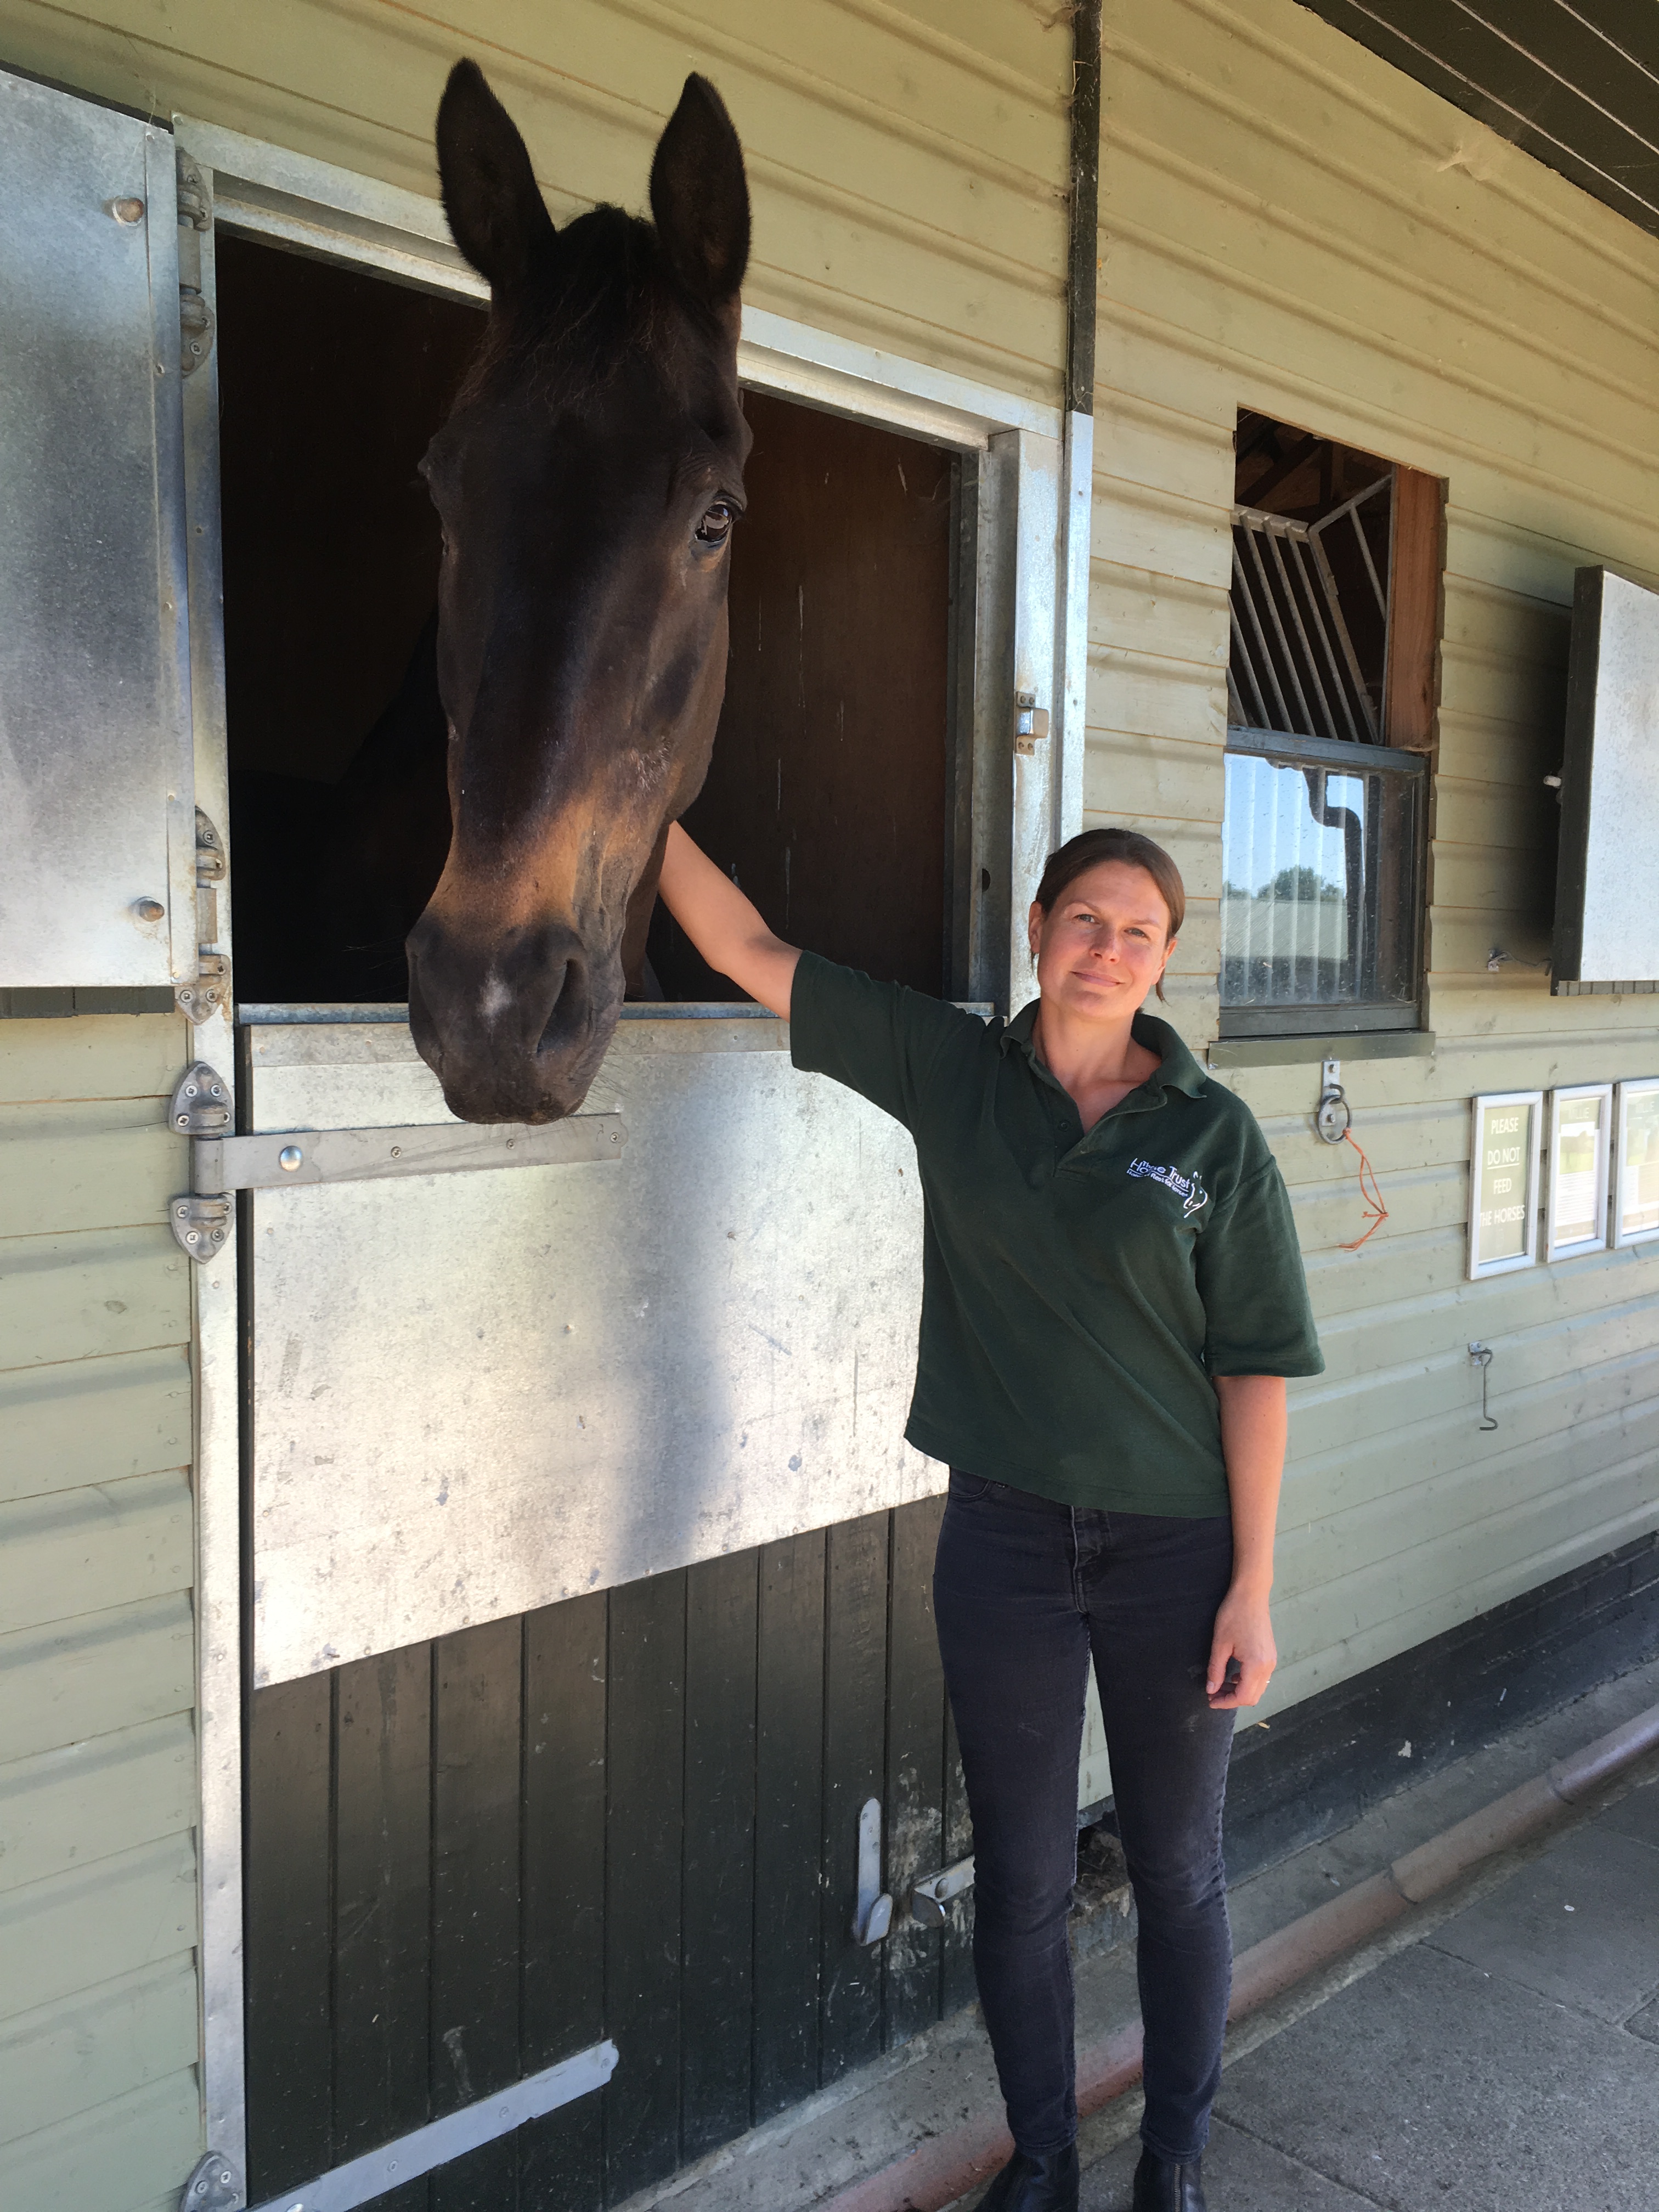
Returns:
(1293, 666)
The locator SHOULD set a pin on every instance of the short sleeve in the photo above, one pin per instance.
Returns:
(882, 1040)
(1258, 1319)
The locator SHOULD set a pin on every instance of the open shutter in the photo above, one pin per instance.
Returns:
(97, 818)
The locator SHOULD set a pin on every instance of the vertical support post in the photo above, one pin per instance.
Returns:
(219, 1611)
(1038, 557)
(1083, 264)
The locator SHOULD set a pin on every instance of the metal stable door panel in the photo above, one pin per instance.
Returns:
(97, 836)
(474, 1394)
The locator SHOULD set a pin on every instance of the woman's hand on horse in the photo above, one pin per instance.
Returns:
(725, 928)
(1244, 1642)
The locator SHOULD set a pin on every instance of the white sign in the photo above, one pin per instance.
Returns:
(1503, 1182)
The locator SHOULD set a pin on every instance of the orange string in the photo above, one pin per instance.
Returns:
(1375, 1210)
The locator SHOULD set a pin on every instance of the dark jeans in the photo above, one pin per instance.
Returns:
(1024, 1590)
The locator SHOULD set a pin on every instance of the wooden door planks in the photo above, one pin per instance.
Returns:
(718, 1937)
(382, 1906)
(645, 1763)
(561, 2157)
(788, 1820)
(913, 1798)
(632, 1814)
(855, 1669)
(477, 1789)
(289, 1967)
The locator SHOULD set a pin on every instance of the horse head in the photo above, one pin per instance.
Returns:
(587, 480)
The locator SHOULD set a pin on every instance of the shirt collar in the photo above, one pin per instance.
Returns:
(1178, 1070)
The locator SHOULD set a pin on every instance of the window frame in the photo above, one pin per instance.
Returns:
(1324, 1018)
(1414, 628)
(1557, 1247)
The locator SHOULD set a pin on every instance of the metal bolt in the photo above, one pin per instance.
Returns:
(396, 1151)
(126, 211)
(290, 1157)
(149, 910)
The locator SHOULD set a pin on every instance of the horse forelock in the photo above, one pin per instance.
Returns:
(602, 299)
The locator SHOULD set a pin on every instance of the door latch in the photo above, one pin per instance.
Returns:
(1031, 722)
(929, 1900)
(872, 1915)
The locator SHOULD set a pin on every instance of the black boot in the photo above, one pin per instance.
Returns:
(1034, 2185)
(1161, 2185)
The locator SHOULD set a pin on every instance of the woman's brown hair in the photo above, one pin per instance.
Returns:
(1091, 847)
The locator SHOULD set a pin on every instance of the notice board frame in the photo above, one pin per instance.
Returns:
(1532, 1102)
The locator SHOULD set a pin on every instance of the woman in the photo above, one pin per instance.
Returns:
(1112, 1297)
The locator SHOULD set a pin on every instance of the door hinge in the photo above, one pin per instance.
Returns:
(195, 316)
(221, 1164)
(214, 2185)
(209, 989)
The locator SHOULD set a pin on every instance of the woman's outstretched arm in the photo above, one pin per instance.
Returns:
(725, 926)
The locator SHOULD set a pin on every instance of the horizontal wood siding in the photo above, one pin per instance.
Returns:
(1289, 226)
(99, 2001)
(907, 163)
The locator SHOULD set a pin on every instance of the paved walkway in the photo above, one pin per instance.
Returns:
(1506, 2061)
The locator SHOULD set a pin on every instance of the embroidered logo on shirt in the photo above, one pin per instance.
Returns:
(1187, 1188)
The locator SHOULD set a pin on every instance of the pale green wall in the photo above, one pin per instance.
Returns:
(1286, 224)
(100, 2110)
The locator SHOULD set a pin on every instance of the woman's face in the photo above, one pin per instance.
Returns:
(1103, 946)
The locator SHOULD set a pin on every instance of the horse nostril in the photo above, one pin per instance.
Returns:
(567, 1012)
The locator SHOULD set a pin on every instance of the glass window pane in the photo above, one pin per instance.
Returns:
(1639, 1212)
(1577, 1148)
(1317, 885)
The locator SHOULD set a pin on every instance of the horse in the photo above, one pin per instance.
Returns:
(588, 481)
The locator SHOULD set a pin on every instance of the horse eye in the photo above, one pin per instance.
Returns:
(716, 525)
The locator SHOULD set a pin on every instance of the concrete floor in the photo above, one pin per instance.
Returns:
(1507, 2061)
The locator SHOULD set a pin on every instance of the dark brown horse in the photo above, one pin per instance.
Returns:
(588, 479)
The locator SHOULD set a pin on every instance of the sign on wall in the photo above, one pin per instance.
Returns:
(1503, 1182)
(1580, 1148)
(1636, 1193)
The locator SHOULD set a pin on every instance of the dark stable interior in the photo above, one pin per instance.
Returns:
(1283, 470)
(826, 798)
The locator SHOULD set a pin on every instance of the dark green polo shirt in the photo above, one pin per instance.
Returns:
(1079, 1292)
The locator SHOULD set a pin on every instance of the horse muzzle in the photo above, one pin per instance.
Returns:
(513, 1026)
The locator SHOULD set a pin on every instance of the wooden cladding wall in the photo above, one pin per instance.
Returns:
(99, 2102)
(632, 1814)
(908, 162)
(1289, 226)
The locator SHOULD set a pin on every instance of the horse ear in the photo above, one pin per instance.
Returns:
(496, 214)
(700, 195)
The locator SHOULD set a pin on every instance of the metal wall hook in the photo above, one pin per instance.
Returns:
(1333, 1116)
(1480, 1357)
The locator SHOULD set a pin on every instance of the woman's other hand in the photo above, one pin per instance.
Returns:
(1243, 1637)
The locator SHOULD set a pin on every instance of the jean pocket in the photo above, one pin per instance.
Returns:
(968, 1489)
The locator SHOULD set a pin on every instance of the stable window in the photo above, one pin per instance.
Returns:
(1334, 618)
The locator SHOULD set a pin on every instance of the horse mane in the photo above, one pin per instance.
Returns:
(603, 295)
